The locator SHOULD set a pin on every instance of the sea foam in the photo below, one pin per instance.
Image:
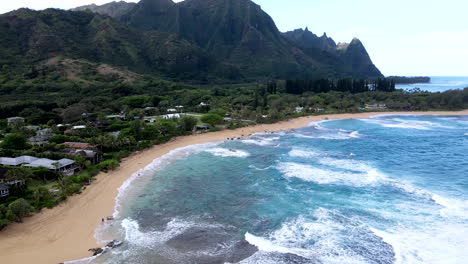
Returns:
(324, 176)
(222, 152)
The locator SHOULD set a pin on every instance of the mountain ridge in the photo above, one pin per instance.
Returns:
(193, 39)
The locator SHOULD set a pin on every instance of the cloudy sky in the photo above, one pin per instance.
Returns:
(403, 37)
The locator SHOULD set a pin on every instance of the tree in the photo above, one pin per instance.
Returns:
(187, 123)
(15, 141)
(19, 174)
(212, 119)
(21, 208)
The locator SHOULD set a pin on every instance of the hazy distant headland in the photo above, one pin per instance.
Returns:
(409, 80)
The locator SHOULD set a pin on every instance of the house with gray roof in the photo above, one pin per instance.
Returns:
(65, 166)
(18, 161)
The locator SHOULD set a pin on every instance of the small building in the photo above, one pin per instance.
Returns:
(179, 107)
(93, 156)
(115, 133)
(298, 109)
(121, 117)
(43, 132)
(202, 104)
(15, 120)
(150, 120)
(171, 116)
(32, 128)
(319, 110)
(172, 110)
(375, 106)
(4, 190)
(40, 139)
(78, 127)
(202, 127)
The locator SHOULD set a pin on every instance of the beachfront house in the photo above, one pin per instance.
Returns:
(93, 156)
(171, 116)
(298, 110)
(66, 166)
(375, 106)
(78, 127)
(4, 190)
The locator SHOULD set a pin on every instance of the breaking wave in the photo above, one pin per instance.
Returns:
(223, 152)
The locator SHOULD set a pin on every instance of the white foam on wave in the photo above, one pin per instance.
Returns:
(82, 261)
(339, 135)
(222, 152)
(261, 141)
(323, 176)
(452, 207)
(346, 164)
(328, 133)
(434, 243)
(316, 240)
(300, 153)
(133, 234)
(261, 169)
(405, 123)
(268, 246)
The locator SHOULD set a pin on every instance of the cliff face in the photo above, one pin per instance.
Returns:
(351, 59)
(355, 55)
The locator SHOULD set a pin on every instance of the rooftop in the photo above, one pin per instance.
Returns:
(78, 145)
(50, 164)
(16, 161)
(33, 162)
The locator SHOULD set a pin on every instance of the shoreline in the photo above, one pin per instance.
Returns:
(66, 232)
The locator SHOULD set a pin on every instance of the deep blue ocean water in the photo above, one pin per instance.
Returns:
(439, 84)
(388, 189)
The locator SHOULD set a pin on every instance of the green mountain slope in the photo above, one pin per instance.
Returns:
(27, 37)
(203, 40)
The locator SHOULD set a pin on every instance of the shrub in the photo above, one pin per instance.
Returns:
(15, 142)
(107, 165)
(212, 119)
(20, 208)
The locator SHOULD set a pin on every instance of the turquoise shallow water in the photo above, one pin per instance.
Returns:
(389, 189)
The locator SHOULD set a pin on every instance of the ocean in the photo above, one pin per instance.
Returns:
(438, 84)
(387, 189)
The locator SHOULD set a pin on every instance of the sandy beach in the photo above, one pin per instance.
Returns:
(66, 232)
